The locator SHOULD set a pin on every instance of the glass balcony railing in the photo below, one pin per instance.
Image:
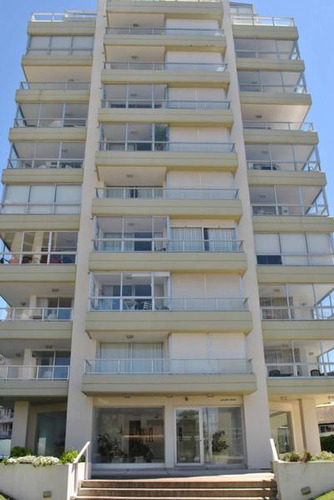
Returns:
(159, 103)
(150, 303)
(40, 208)
(59, 17)
(26, 372)
(36, 314)
(268, 54)
(50, 122)
(182, 147)
(250, 20)
(125, 193)
(165, 245)
(167, 366)
(180, 1)
(45, 163)
(69, 85)
(305, 313)
(295, 126)
(294, 259)
(290, 209)
(69, 51)
(276, 165)
(164, 31)
(280, 89)
(293, 369)
(67, 257)
(166, 66)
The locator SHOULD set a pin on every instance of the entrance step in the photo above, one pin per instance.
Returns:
(179, 489)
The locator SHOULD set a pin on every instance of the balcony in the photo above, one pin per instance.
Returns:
(208, 9)
(50, 122)
(149, 145)
(65, 85)
(36, 314)
(274, 49)
(158, 376)
(161, 31)
(165, 66)
(282, 126)
(127, 193)
(265, 21)
(39, 208)
(33, 381)
(60, 17)
(160, 104)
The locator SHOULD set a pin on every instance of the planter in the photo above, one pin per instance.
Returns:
(294, 480)
(25, 482)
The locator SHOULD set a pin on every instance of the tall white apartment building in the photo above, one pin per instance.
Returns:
(167, 261)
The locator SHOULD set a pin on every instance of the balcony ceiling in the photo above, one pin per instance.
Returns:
(134, 54)
(274, 112)
(45, 73)
(133, 19)
(15, 348)
(15, 293)
(128, 176)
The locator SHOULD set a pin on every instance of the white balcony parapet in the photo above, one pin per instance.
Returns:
(164, 31)
(59, 17)
(280, 89)
(165, 245)
(304, 313)
(305, 370)
(38, 258)
(149, 145)
(45, 163)
(167, 366)
(251, 20)
(50, 122)
(36, 314)
(165, 304)
(69, 85)
(294, 166)
(290, 209)
(27, 372)
(159, 103)
(295, 126)
(40, 208)
(166, 66)
(125, 193)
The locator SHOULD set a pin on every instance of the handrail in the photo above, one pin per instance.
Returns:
(296, 126)
(295, 259)
(164, 31)
(166, 245)
(303, 313)
(83, 452)
(287, 209)
(45, 163)
(69, 85)
(39, 208)
(68, 51)
(38, 257)
(68, 15)
(262, 20)
(50, 122)
(162, 103)
(255, 53)
(279, 88)
(273, 450)
(274, 165)
(167, 193)
(151, 145)
(169, 66)
(33, 372)
(36, 313)
(297, 369)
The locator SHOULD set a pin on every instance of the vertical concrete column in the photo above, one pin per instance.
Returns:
(256, 408)
(169, 435)
(20, 423)
(80, 407)
(309, 425)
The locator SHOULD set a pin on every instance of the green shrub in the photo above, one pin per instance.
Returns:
(68, 457)
(20, 451)
(327, 443)
(291, 457)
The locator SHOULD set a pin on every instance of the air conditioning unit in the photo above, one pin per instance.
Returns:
(284, 210)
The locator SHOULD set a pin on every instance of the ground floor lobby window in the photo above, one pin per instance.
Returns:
(50, 439)
(281, 430)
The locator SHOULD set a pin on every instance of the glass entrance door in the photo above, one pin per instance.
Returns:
(189, 436)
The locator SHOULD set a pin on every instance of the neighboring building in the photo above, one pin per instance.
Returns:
(325, 415)
(168, 260)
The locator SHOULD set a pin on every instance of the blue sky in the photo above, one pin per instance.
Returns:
(314, 20)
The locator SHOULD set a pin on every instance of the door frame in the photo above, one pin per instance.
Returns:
(201, 437)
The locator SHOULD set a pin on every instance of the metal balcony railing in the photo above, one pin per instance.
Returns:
(305, 313)
(262, 20)
(295, 126)
(149, 145)
(160, 103)
(165, 245)
(50, 122)
(69, 85)
(181, 1)
(40, 208)
(294, 166)
(125, 193)
(162, 304)
(268, 54)
(295, 259)
(289, 209)
(166, 66)
(280, 89)
(36, 314)
(164, 31)
(26, 372)
(70, 51)
(45, 163)
(167, 366)
(306, 370)
(40, 258)
(69, 15)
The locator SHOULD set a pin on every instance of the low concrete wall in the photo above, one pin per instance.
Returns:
(25, 482)
(293, 477)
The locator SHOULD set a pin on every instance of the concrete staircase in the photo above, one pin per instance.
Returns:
(178, 489)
